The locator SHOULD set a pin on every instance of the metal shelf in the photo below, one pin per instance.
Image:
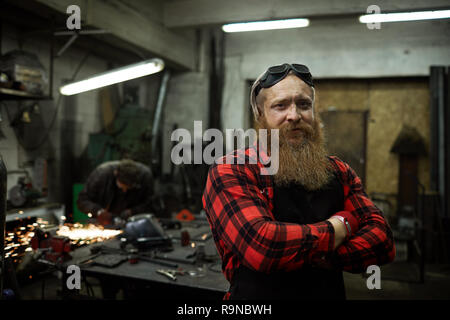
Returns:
(11, 94)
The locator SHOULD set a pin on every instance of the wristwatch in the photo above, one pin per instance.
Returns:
(346, 224)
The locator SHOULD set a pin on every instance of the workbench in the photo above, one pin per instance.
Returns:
(212, 285)
(51, 212)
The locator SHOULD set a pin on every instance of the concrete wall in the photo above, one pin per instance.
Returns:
(187, 101)
(187, 98)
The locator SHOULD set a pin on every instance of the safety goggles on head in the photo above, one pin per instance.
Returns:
(275, 74)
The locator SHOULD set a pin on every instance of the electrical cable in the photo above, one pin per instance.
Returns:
(46, 134)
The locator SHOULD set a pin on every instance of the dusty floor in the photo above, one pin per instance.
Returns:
(399, 281)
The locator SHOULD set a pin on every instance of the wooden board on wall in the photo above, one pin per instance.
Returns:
(391, 103)
(394, 103)
(346, 137)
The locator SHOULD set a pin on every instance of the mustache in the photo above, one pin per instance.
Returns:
(307, 130)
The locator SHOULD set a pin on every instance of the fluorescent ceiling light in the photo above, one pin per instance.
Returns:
(265, 25)
(404, 16)
(132, 71)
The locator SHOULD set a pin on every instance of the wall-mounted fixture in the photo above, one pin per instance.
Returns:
(122, 74)
(265, 25)
(405, 16)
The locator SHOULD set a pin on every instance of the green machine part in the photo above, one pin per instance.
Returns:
(77, 215)
(134, 124)
(130, 138)
(100, 148)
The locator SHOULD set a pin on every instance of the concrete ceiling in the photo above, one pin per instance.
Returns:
(132, 22)
(165, 28)
(32, 21)
(189, 13)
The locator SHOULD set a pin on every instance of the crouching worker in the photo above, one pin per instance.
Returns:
(117, 189)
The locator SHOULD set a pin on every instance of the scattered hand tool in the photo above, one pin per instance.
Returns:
(171, 273)
(167, 273)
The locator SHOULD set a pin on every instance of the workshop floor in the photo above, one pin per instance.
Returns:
(400, 281)
(435, 287)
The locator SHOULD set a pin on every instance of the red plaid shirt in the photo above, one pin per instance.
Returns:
(239, 201)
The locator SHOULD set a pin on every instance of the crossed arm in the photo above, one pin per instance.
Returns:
(244, 228)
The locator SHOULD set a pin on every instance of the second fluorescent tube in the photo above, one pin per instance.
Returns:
(265, 25)
(404, 16)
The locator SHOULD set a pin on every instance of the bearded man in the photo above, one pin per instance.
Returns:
(291, 235)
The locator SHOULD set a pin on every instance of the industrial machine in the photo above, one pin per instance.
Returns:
(23, 193)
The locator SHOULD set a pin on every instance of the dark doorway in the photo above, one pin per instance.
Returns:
(346, 136)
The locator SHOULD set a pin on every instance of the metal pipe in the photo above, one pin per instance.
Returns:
(1, 35)
(67, 45)
(422, 234)
(158, 112)
(441, 141)
(3, 180)
(446, 144)
(51, 58)
(437, 145)
(159, 104)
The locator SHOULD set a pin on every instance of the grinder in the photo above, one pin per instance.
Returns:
(144, 232)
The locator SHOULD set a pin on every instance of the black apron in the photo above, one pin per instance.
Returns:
(295, 204)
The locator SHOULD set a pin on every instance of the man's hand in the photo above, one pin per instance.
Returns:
(104, 217)
(340, 231)
(346, 228)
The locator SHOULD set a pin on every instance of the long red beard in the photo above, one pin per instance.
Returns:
(302, 161)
